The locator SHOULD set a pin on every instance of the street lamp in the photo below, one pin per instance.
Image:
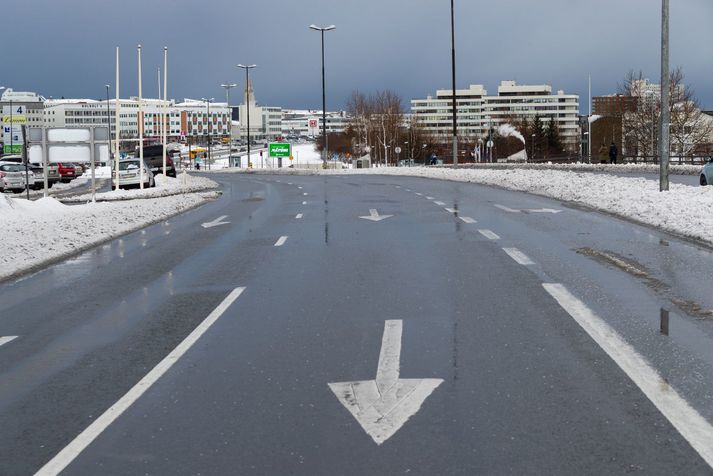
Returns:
(453, 70)
(108, 117)
(227, 88)
(665, 99)
(247, 101)
(2, 88)
(324, 94)
(210, 121)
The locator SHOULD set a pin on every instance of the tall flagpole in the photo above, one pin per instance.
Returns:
(117, 125)
(165, 104)
(140, 123)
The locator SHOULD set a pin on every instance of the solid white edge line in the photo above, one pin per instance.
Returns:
(5, 339)
(298, 216)
(689, 423)
(489, 234)
(519, 256)
(281, 241)
(70, 452)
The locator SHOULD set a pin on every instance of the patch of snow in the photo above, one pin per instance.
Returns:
(42, 231)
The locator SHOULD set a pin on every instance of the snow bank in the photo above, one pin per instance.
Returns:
(684, 210)
(165, 187)
(36, 233)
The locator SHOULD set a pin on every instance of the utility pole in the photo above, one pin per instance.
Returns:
(453, 70)
(325, 152)
(247, 69)
(665, 99)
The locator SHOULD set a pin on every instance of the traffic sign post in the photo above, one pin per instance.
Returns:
(280, 150)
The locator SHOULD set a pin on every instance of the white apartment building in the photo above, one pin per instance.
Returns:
(308, 123)
(476, 112)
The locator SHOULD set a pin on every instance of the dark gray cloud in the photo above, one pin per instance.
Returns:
(67, 47)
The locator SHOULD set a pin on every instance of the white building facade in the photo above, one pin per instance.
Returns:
(308, 123)
(476, 112)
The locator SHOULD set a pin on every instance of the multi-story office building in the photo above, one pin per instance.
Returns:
(265, 121)
(308, 123)
(476, 112)
(19, 108)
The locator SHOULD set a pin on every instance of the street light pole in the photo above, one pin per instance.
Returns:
(324, 95)
(665, 99)
(247, 101)
(228, 87)
(108, 117)
(453, 71)
(210, 122)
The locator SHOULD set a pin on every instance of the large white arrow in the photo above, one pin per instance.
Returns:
(217, 222)
(527, 210)
(374, 215)
(382, 406)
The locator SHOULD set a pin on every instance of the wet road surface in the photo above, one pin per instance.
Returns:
(488, 288)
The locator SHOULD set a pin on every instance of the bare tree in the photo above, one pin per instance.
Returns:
(691, 130)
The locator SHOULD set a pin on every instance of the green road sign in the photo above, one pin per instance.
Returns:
(280, 150)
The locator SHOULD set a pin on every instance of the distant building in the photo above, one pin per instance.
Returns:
(613, 105)
(265, 121)
(24, 108)
(476, 112)
(308, 123)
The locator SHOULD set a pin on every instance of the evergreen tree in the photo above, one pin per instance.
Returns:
(554, 143)
(539, 130)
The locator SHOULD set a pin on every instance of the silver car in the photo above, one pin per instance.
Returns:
(130, 174)
(707, 173)
(13, 177)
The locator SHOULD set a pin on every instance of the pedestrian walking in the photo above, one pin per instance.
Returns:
(613, 153)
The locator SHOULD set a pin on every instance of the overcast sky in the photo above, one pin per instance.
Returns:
(66, 47)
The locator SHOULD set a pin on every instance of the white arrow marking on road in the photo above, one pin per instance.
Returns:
(374, 215)
(5, 339)
(217, 222)
(544, 210)
(507, 209)
(382, 406)
(527, 210)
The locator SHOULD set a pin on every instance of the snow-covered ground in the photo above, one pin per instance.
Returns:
(42, 231)
(304, 155)
(683, 210)
(165, 186)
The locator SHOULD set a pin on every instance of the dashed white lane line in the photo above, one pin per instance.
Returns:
(419, 194)
(305, 194)
(689, 423)
(289, 183)
(518, 256)
(407, 189)
(304, 203)
(300, 188)
(440, 204)
(451, 210)
(430, 198)
(468, 220)
(70, 452)
(5, 339)
(489, 234)
(281, 241)
(298, 216)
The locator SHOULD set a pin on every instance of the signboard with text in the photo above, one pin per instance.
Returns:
(280, 150)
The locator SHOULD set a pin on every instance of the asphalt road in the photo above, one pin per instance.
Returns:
(490, 300)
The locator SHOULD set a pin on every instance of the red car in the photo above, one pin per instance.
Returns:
(67, 172)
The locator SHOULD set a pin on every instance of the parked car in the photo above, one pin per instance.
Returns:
(153, 156)
(38, 170)
(707, 173)
(67, 171)
(130, 174)
(13, 177)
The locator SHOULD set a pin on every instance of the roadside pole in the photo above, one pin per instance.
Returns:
(665, 99)
(165, 96)
(25, 158)
(140, 123)
(92, 130)
(117, 124)
(45, 161)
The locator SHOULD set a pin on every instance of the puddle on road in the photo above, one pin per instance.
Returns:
(637, 270)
